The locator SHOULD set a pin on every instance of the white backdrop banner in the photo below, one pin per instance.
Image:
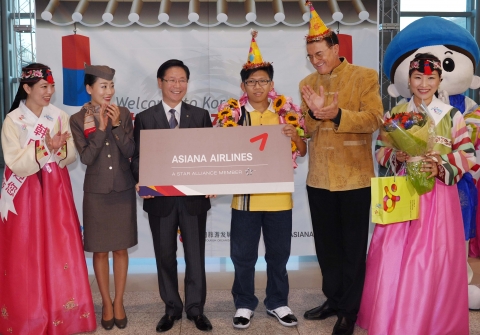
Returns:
(215, 57)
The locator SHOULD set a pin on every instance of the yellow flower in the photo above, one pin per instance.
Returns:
(294, 147)
(226, 112)
(292, 118)
(230, 123)
(279, 102)
(233, 103)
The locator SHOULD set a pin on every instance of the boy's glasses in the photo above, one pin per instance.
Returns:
(253, 82)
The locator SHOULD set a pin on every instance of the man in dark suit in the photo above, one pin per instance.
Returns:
(167, 214)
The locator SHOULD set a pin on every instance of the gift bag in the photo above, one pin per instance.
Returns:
(394, 199)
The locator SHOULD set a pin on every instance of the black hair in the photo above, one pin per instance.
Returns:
(89, 79)
(172, 63)
(421, 58)
(331, 40)
(21, 93)
(246, 73)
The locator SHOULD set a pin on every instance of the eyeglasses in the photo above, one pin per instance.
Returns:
(253, 82)
(175, 81)
(318, 55)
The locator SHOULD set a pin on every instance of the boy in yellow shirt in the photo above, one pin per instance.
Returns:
(270, 213)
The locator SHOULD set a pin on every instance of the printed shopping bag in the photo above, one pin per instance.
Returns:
(394, 199)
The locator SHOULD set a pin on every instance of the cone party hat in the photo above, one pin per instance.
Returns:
(318, 29)
(254, 56)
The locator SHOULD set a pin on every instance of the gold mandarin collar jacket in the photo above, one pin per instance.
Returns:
(340, 156)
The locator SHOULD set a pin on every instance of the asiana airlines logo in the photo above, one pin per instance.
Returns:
(302, 234)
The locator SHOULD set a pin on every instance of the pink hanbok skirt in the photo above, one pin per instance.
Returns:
(416, 278)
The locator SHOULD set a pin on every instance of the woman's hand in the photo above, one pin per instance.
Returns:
(103, 119)
(429, 164)
(57, 141)
(435, 156)
(401, 156)
(113, 112)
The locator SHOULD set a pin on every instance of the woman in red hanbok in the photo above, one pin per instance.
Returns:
(44, 286)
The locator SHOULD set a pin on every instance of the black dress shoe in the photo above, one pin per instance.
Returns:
(166, 323)
(343, 326)
(321, 312)
(107, 324)
(201, 322)
(121, 323)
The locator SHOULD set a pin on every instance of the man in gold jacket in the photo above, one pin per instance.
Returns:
(344, 108)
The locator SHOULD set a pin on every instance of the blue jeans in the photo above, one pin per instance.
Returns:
(244, 238)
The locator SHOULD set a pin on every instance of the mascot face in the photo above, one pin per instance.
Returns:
(457, 75)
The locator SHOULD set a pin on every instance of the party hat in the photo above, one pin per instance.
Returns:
(318, 29)
(254, 56)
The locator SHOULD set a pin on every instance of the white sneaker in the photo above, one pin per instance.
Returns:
(284, 315)
(242, 318)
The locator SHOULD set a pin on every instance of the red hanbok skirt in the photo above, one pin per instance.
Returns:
(44, 287)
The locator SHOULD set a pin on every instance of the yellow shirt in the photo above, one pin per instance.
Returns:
(269, 202)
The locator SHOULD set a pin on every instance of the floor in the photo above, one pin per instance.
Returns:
(144, 307)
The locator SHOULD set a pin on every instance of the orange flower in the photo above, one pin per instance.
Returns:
(230, 123)
(292, 118)
(226, 112)
(279, 102)
(294, 147)
(233, 103)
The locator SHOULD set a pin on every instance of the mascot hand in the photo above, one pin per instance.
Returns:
(443, 95)
(393, 91)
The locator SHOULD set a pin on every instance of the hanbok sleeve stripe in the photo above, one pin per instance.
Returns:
(463, 144)
(462, 162)
(473, 134)
(473, 116)
(475, 172)
(473, 123)
(462, 157)
(446, 178)
(461, 131)
(383, 155)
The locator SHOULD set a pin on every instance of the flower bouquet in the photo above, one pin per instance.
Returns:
(412, 133)
(229, 114)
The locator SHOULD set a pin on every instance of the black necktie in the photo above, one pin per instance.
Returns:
(173, 121)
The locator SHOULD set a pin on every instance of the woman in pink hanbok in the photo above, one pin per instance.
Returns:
(44, 287)
(416, 279)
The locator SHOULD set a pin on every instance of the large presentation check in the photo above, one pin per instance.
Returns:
(200, 161)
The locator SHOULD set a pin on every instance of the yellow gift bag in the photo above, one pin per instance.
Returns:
(394, 199)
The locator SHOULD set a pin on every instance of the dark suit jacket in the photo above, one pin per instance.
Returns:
(105, 153)
(155, 118)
